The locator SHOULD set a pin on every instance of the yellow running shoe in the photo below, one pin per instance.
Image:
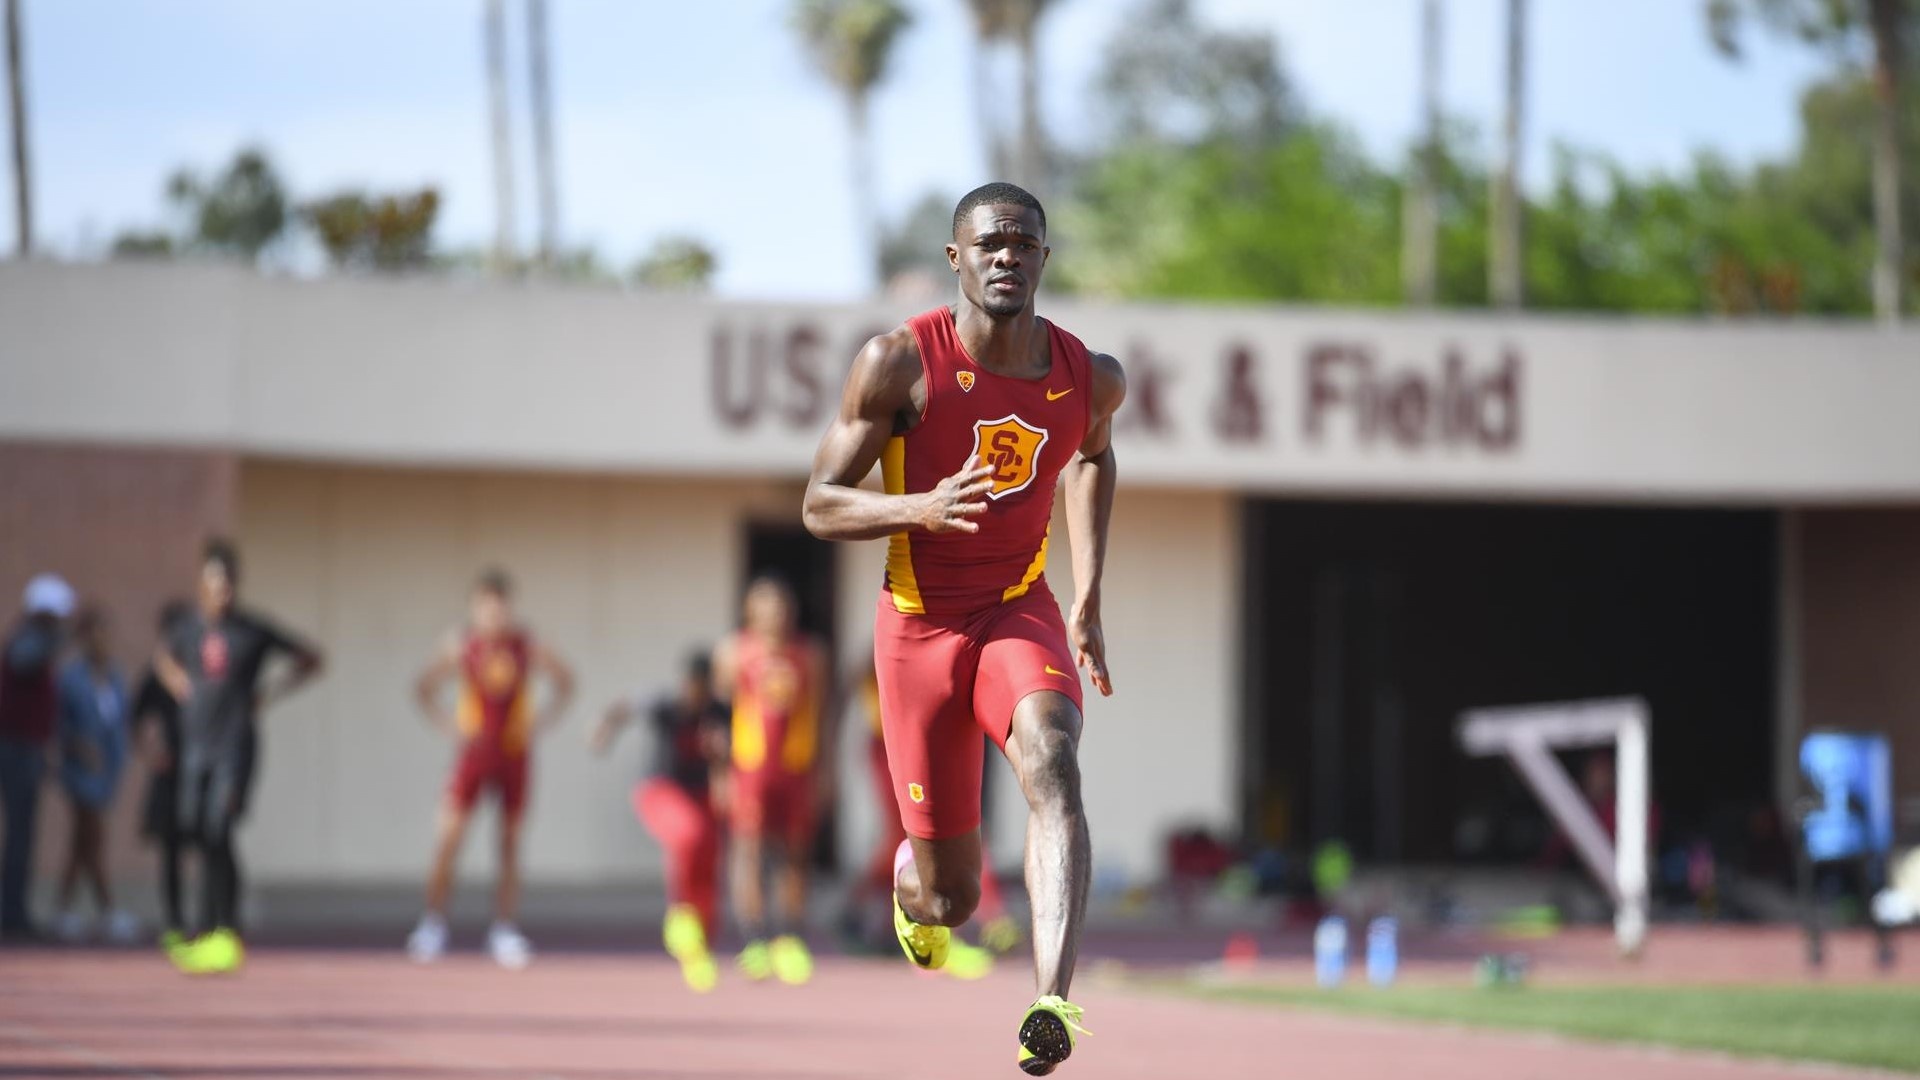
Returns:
(171, 942)
(756, 961)
(1001, 934)
(1047, 1034)
(925, 945)
(686, 938)
(792, 963)
(968, 962)
(216, 953)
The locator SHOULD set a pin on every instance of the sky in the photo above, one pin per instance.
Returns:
(705, 119)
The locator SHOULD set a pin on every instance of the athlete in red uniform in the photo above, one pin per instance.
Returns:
(973, 412)
(776, 679)
(495, 660)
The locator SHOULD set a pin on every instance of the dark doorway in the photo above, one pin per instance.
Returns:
(1370, 627)
(807, 563)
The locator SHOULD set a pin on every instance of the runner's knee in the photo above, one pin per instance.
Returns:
(951, 903)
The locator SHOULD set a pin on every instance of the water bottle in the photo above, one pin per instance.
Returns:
(1383, 950)
(1330, 951)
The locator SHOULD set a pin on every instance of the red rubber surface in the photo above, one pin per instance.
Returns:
(336, 1013)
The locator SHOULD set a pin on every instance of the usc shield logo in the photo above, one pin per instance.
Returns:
(1011, 447)
(965, 379)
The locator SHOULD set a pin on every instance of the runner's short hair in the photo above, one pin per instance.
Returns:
(998, 193)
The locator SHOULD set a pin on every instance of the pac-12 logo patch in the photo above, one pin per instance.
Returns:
(1011, 447)
(917, 793)
(966, 381)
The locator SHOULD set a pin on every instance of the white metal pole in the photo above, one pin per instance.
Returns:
(1630, 831)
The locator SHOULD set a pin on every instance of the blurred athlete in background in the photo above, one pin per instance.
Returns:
(495, 660)
(676, 801)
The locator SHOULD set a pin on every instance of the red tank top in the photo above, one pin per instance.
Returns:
(1026, 429)
(774, 719)
(494, 706)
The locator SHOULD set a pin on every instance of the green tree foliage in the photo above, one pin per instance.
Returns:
(677, 262)
(238, 211)
(1212, 184)
(375, 232)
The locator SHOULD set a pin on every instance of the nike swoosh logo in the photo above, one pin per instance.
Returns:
(1050, 671)
(1051, 396)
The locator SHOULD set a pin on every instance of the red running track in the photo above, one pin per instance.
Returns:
(296, 1013)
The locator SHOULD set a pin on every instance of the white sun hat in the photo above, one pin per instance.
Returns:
(49, 594)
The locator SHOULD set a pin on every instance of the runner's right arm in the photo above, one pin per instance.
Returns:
(880, 389)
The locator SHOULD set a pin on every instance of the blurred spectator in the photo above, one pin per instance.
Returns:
(93, 752)
(156, 719)
(29, 704)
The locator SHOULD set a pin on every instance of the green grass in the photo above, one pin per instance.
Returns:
(1875, 1026)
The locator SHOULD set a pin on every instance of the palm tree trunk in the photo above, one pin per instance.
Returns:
(1033, 150)
(866, 214)
(540, 90)
(992, 150)
(1420, 222)
(1890, 260)
(495, 35)
(17, 106)
(1506, 274)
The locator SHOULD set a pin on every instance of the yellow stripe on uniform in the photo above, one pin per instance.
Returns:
(749, 734)
(900, 580)
(1034, 569)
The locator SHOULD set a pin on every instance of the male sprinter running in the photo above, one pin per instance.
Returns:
(496, 659)
(974, 411)
(776, 678)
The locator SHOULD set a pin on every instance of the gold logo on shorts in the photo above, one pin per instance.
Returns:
(917, 793)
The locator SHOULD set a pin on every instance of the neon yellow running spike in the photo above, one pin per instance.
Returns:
(925, 945)
(792, 963)
(217, 953)
(968, 962)
(686, 938)
(756, 961)
(1047, 1034)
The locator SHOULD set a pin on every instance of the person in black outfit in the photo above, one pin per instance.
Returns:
(156, 719)
(213, 662)
(676, 802)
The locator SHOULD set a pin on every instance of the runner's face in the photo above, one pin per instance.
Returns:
(769, 611)
(999, 254)
(490, 611)
(216, 589)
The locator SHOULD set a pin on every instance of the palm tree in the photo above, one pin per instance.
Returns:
(494, 33)
(1888, 25)
(850, 42)
(1026, 37)
(540, 90)
(1505, 270)
(1420, 224)
(992, 20)
(17, 101)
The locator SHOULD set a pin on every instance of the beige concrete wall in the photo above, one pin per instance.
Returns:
(1860, 632)
(621, 575)
(124, 525)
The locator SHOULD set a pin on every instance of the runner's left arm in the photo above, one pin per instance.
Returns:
(560, 676)
(1090, 481)
(307, 662)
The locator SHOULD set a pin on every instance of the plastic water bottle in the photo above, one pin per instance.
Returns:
(1330, 951)
(1383, 950)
